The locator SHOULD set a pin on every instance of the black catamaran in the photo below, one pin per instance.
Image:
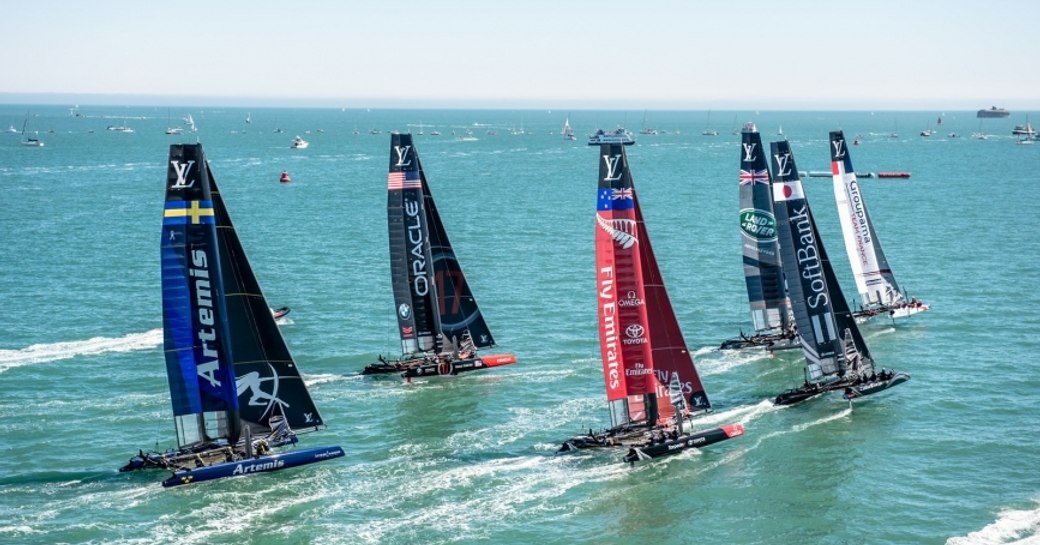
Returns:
(770, 308)
(440, 325)
(235, 388)
(651, 381)
(836, 355)
(878, 291)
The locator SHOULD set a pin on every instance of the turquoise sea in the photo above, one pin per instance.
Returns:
(950, 457)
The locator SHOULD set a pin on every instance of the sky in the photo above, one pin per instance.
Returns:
(605, 54)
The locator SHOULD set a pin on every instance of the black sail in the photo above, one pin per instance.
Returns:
(457, 308)
(830, 339)
(269, 382)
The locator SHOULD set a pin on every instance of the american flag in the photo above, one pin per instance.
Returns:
(403, 180)
(751, 177)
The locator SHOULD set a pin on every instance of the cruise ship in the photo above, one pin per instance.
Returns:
(993, 111)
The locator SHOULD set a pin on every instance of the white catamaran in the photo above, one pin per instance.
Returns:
(878, 291)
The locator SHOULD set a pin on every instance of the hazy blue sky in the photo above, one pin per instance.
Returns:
(781, 54)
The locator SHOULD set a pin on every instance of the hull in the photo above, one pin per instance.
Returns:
(851, 389)
(902, 310)
(874, 386)
(775, 341)
(620, 436)
(432, 366)
(680, 443)
(260, 464)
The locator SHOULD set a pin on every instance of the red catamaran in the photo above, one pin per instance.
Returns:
(652, 385)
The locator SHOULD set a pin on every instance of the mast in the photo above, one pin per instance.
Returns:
(874, 279)
(830, 339)
(763, 274)
(411, 260)
(195, 327)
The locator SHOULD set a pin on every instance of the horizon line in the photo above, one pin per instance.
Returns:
(398, 103)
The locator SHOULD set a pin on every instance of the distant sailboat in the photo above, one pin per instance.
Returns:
(646, 129)
(773, 326)
(652, 385)
(438, 320)
(567, 131)
(170, 129)
(236, 390)
(709, 130)
(878, 290)
(27, 140)
(836, 355)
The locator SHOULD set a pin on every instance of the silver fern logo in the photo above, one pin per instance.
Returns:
(621, 230)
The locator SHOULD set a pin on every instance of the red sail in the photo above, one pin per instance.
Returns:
(623, 325)
(670, 354)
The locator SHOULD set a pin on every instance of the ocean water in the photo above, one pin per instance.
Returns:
(950, 457)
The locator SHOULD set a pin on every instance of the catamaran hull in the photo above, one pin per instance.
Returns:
(899, 311)
(684, 442)
(851, 390)
(459, 366)
(260, 464)
(875, 386)
(428, 367)
(768, 342)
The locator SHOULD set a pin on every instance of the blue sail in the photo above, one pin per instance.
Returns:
(196, 332)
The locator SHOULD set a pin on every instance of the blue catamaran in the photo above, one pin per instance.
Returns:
(236, 391)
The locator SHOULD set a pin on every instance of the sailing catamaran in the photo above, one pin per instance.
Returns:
(763, 275)
(651, 381)
(440, 325)
(836, 355)
(878, 291)
(235, 388)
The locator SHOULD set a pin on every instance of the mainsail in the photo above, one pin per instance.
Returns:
(640, 341)
(763, 275)
(874, 279)
(196, 333)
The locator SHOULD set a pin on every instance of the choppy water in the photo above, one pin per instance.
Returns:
(950, 457)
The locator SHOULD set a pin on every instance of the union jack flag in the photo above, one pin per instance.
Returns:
(618, 194)
(751, 177)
